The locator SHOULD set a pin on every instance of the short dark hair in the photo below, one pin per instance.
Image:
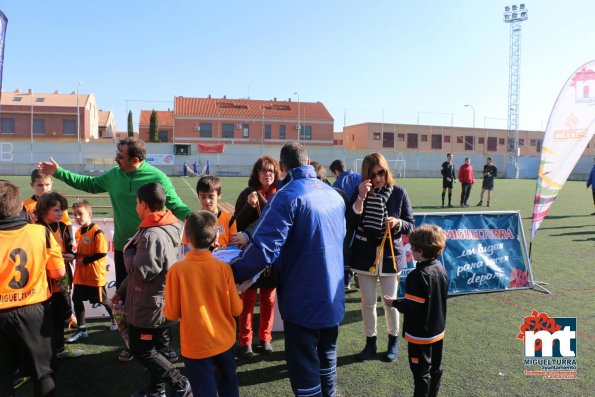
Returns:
(153, 195)
(208, 184)
(36, 174)
(11, 202)
(337, 165)
(253, 181)
(46, 201)
(429, 240)
(489, 158)
(293, 155)
(448, 154)
(201, 229)
(82, 204)
(136, 147)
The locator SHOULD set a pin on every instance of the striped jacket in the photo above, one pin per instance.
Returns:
(424, 305)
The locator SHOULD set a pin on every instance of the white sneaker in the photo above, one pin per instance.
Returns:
(69, 353)
(114, 326)
(80, 334)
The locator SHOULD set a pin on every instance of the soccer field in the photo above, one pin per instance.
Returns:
(482, 356)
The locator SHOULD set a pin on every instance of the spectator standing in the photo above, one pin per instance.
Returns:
(467, 179)
(207, 335)
(301, 232)
(195, 168)
(249, 205)
(380, 212)
(489, 173)
(148, 255)
(449, 177)
(185, 168)
(591, 183)
(347, 180)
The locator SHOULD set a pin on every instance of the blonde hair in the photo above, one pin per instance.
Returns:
(376, 159)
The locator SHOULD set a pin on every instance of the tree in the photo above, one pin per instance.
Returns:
(154, 127)
(130, 126)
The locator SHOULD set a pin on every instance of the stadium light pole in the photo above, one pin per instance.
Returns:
(472, 108)
(78, 123)
(298, 117)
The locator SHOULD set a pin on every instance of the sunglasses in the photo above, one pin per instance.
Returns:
(381, 173)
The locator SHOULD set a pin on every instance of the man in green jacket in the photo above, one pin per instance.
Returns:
(122, 183)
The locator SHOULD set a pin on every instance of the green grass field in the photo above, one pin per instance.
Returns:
(482, 356)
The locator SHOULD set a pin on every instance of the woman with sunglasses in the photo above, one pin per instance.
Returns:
(380, 212)
(261, 186)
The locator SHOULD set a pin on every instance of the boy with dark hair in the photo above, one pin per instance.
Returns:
(29, 256)
(148, 255)
(208, 190)
(424, 308)
(90, 270)
(347, 180)
(50, 211)
(207, 335)
(41, 184)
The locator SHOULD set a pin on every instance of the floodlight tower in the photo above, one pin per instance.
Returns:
(514, 15)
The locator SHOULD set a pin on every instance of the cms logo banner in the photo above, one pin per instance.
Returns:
(545, 336)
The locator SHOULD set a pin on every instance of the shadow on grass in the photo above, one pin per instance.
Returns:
(587, 239)
(573, 234)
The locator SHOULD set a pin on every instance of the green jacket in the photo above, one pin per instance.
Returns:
(122, 188)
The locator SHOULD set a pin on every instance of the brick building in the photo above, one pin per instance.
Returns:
(243, 121)
(30, 116)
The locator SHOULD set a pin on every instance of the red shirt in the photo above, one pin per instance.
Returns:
(466, 174)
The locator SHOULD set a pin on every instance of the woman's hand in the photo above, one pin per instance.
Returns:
(393, 222)
(253, 199)
(239, 239)
(364, 188)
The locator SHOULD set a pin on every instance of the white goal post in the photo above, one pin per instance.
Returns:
(397, 166)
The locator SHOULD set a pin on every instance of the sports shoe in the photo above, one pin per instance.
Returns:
(265, 347)
(69, 353)
(246, 351)
(80, 334)
(450, 206)
(481, 203)
(489, 205)
(125, 356)
(150, 393)
(113, 326)
(186, 391)
(172, 356)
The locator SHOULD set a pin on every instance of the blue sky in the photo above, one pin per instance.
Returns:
(395, 61)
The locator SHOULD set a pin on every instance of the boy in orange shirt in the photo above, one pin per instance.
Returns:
(41, 184)
(28, 256)
(90, 270)
(208, 334)
(208, 189)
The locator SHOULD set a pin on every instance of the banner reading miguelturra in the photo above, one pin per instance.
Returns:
(483, 253)
(569, 130)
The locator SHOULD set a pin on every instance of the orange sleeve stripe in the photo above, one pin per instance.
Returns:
(415, 298)
(415, 360)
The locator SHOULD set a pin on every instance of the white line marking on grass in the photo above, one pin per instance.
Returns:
(190, 187)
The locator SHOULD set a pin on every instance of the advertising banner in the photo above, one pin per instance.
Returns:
(484, 252)
(160, 159)
(568, 132)
(210, 148)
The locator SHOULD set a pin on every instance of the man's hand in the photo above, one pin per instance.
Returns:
(48, 167)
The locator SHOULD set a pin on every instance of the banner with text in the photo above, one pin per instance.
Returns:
(160, 159)
(483, 252)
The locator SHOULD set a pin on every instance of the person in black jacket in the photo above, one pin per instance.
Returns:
(377, 207)
(424, 308)
(449, 177)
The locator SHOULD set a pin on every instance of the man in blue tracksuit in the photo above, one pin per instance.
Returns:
(591, 183)
(301, 232)
(347, 180)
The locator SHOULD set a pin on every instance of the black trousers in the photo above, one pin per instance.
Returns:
(465, 191)
(120, 268)
(145, 345)
(425, 362)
